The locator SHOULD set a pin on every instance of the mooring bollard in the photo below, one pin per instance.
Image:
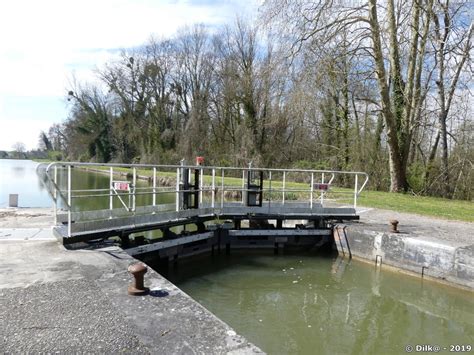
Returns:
(138, 270)
(394, 224)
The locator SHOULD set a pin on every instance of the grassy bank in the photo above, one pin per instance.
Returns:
(428, 206)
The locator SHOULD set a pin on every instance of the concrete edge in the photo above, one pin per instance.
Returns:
(209, 324)
(439, 261)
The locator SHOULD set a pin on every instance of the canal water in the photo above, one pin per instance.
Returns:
(19, 177)
(307, 304)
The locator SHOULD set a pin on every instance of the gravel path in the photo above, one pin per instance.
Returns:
(68, 317)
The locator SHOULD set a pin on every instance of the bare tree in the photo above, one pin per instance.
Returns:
(19, 149)
(452, 47)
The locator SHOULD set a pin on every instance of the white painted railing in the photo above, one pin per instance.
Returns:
(216, 187)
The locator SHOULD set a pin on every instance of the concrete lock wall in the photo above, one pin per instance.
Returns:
(434, 259)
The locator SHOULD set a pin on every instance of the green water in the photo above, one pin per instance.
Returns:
(294, 304)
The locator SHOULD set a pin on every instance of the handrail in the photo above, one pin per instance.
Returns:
(205, 167)
(278, 185)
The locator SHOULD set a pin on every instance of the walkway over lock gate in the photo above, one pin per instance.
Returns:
(127, 198)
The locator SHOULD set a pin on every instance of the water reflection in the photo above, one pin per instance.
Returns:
(19, 177)
(89, 200)
(19, 171)
(299, 303)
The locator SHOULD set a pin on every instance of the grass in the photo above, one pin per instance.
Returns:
(427, 206)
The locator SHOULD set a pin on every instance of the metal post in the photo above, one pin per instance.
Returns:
(134, 197)
(322, 191)
(55, 195)
(154, 187)
(355, 190)
(222, 187)
(177, 189)
(312, 190)
(213, 188)
(69, 201)
(243, 187)
(269, 187)
(284, 187)
(111, 190)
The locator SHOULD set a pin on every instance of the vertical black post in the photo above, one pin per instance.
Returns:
(125, 240)
(254, 190)
(224, 235)
(237, 223)
(185, 187)
(196, 189)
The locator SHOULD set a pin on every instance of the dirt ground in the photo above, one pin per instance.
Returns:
(26, 217)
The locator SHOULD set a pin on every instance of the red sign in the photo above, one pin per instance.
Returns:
(122, 185)
(199, 160)
(321, 187)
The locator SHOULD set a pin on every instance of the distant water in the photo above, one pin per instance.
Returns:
(19, 177)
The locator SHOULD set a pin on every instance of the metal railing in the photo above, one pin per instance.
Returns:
(145, 188)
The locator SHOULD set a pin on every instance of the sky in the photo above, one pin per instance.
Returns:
(44, 44)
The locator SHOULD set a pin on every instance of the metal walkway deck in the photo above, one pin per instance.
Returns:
(130, 199)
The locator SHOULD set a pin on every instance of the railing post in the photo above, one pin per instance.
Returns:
(111, 190)
(355, 190)
(134, 196)
(213, 188)
(284, 187)
(312, 190)
(154, 187)
(177, 189)
(55, 195)
(322, 191)
(69, 201)
(222, 187)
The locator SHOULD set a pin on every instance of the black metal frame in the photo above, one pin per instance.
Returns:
(190, 191)
(255, 190)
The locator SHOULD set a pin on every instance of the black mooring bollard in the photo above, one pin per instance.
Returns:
(394, 224)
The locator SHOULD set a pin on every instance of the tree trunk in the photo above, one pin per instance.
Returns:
(397, 165)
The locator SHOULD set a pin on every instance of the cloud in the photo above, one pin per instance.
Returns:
(23, 118)
(44, 43)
